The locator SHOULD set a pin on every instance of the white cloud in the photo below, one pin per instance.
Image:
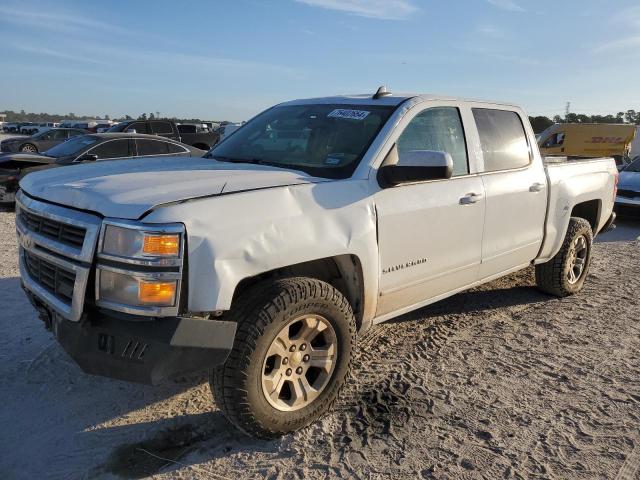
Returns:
(490, 31)
(57, 54)
(622, 43)
(509, 5)
(380, 9)
(60, 22)
(629, 17)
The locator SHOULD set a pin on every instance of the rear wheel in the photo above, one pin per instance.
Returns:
(565, 273)
(29, 147)
(290, 359)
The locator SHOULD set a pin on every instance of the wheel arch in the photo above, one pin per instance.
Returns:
(344, 272)
(590, 210)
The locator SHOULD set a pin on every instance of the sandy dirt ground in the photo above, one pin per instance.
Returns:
(498, 382)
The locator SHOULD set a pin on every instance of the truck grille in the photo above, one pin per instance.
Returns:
(628, 193)
(53, 278)
(63, 233)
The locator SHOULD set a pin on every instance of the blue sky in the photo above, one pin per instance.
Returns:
(231, 59)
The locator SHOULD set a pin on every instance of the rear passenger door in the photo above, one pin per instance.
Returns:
(516, 192)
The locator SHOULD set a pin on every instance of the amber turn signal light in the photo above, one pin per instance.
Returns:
(157, 293)
(161, 245)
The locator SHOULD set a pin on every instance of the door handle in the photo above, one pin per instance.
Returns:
(536, 187)
(470, 198)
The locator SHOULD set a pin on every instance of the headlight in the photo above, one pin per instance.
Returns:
(126, 289)
(165, 242)
(139, 267)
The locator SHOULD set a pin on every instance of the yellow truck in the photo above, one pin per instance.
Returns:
(588, 140)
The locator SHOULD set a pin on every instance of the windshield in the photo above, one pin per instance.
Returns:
(322, 140)
(633, 166)
(72, 146)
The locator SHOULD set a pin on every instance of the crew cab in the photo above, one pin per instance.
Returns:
(203, 140)
(319, 218)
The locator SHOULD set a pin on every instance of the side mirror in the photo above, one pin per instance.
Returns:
(415, 166)
(87, 157)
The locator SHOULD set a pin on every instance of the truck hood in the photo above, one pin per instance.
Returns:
(130, 188)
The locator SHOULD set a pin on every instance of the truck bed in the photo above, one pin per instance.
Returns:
(572, 182)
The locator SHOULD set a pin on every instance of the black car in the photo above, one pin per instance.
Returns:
(40, 141)
(168, 129)
(86, 148)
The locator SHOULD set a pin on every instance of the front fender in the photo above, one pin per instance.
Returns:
(241, 235)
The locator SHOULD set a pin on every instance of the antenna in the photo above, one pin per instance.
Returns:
(381, 92)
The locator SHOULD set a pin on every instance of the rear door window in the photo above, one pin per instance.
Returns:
(151, 147)
(111, 149)
(503, 140)
(175, 148)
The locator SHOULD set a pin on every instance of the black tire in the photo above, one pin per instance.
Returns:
(552, 276)
(28, 147)
(261, 313)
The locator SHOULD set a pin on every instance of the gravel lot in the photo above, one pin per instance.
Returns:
(498, 382)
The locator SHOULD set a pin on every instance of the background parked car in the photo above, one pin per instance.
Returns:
(25, 127)
(38, 128)
(40, 141)
(10, 127)
(227, 129)
(83, 149)
(169, 129)
(101, 127)
(628, 195)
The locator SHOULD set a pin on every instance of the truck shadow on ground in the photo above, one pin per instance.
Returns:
(372, 410)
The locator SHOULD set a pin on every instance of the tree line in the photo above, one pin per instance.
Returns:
(539, 123)
(23, 116)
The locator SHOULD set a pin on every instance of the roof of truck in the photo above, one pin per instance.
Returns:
(393, 99)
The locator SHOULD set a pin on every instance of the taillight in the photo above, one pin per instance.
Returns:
(615, 186)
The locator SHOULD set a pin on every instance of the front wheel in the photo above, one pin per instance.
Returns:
(290, 359)
(565, 273)
(29, 148)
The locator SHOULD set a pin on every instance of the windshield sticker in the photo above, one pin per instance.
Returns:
(350, 114)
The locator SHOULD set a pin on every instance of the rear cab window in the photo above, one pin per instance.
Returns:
(503, 139)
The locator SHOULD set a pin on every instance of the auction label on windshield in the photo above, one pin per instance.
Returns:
(351, 114)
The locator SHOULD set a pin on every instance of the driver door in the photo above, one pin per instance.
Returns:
(430, 233)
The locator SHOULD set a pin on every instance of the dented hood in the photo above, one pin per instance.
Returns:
(129, 188)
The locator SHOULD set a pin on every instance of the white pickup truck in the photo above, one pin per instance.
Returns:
(317, 219)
